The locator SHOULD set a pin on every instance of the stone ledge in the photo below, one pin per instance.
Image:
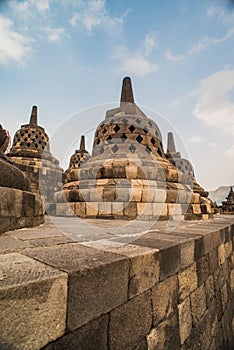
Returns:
(111, 280)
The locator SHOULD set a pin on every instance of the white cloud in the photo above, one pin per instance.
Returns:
(149, 43)
(230, 153)
(202, 45)
(55, 34)
(135, 63)
(175, 58)
(195, 139)
(93, 14)
(214, 107)
(208, 41)
(28, 9)
(13, 45)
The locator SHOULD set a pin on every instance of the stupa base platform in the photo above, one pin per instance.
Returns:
(131, 210)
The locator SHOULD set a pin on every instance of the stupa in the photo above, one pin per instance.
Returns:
(228, 205)
(19, 207)
(129, 175)
(30, 152)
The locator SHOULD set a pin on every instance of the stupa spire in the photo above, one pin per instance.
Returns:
(127, 92)
(170, 143)
(33, 119)
(82, 143)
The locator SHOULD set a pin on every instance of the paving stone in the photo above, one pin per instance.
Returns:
(11, 244)
(164, 299)
(33, 301)
(92, 336)
(188, 281)
(130, 322)
(93, 277)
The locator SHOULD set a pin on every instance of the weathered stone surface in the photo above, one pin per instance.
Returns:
(93, 277)
(203, 269)
(164, 299)
(165, 335)
(144, 267)
(209, 289)
(187, 281)
(198, 304)
(33, 300)
(185, 320)
(130, 322)
(170, 261)
(10, 244)
(92, 336)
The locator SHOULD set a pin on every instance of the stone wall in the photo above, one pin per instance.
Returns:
(164, 291)
(19, 209)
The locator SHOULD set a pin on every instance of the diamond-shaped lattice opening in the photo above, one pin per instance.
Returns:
(139, 138)
(159, 152)
(115, 148)
(98, 141)
(131, 128)
(132, 148)
(148, 150)
(152, 141)
(146, 130)
(104, 131)
(138, 121)
(123, 137)
(125, 121)
(109, 138)
(116, 128)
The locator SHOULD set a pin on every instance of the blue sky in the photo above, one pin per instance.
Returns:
(69, 55)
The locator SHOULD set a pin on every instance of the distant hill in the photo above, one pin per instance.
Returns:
(220, 194)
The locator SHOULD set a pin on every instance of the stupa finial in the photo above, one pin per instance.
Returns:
(82, 143)
(33, 119)
(127, 93)
(170, 143)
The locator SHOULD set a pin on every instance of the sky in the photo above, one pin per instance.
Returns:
(69, 57)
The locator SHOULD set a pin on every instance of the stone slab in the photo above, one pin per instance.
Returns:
(93, 277)
(11, 244)
(33, 300)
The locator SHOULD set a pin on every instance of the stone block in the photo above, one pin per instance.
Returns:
(213, 260)
(98, 280)
(122, 194)
(131, 171)
(7, 196)
(187, 281)
(185, 320)
(117, 208)
(61, 209)
(9, 244)
(196, 208)
(187, 252)
(172, 196)
(80, 209)
(165, 335)
(170, 260)
(203, 269)
(160, 195)
(28, 204)
(174, 209)
(92, 336)
(209, 289)
(159, 209)
(130, 210)
(33, 300)
(130, 322)
(198, 304)
(92, 209)
(145, 209)
(147, 194)
(135, 194)
(164, 299)
(104, 208)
